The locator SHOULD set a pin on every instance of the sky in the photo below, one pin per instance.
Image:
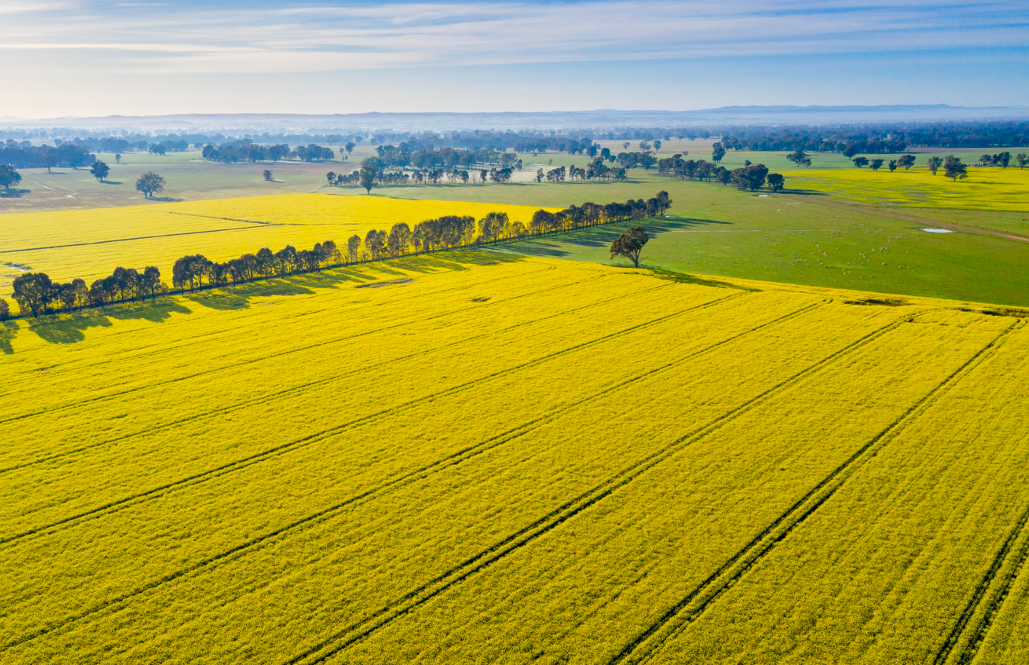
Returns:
(90, 58)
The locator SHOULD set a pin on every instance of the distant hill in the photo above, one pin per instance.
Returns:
(560, 120)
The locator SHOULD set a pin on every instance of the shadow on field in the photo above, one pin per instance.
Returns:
(71, 328)
(8, 329)
(603, 236)
(686, 278)
(68, 328)
(13, 193)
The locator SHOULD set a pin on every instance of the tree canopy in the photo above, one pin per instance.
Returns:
(630, 244)
(149, 184)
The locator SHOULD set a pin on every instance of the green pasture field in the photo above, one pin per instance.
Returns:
(716, 230)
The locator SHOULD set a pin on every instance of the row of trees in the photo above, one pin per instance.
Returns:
(952, 166)
(750, 177)
(231, 153)
(190, 272)
(37, 294)
(35, 157)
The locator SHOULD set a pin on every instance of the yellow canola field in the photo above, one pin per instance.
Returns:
(91, 243)
(988, 188)
(477, 458)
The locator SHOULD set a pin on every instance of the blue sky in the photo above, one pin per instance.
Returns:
(79, 58)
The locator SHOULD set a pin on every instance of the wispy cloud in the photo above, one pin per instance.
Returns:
(311, 37)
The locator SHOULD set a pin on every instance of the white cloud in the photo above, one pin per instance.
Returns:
(136, 37)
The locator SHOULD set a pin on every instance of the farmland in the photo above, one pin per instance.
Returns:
(91, 243)
(491, 458)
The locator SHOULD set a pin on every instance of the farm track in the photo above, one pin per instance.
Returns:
(419, 596)
(300, 387)
(985, 600)
(691, 606)
(426, 471)
(309, 439)
(274, 356)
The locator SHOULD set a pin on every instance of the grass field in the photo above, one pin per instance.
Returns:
(717, 230)
(91, 243)
(516, 460)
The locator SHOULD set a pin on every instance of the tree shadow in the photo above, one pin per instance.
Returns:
(239, 296)
(804, 192)
(8, 331)
(110, 182)
(14, 193)
(163, 199)
(68, 328)
(686, 278)
(154, 311)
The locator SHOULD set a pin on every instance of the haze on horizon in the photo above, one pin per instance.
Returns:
(87, 58)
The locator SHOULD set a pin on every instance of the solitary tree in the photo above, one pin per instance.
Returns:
(954, 169)
(267, 175)
(934, 164)
(860, 161)
(99, 170)
(776, 181)
(350, 147)
(8, 176)
(630, 244)
(149, 184)
(331, 177)
(893, 165)
(799, 157)
(626, 145)
(906, 161)
(876, 164)
(717, 152)
(117, 158)
(657, 146)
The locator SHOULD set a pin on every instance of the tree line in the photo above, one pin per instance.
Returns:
(37, 294)
(47, 157)
(253, 152)
(750, 177)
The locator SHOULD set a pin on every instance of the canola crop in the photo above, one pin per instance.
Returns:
(475, 458)
(985, 188)
(92, 243)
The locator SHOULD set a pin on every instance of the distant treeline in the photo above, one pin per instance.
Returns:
(34, 157)
(811, 138)
(37, 294)
(230, 153)
(407, 155)
(878, 139)
(750, 177)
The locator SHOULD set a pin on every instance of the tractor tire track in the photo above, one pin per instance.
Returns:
(303, 386)
(419, 596)
(977, 631)
(459, 457)
(236, 465)
(680, 615)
